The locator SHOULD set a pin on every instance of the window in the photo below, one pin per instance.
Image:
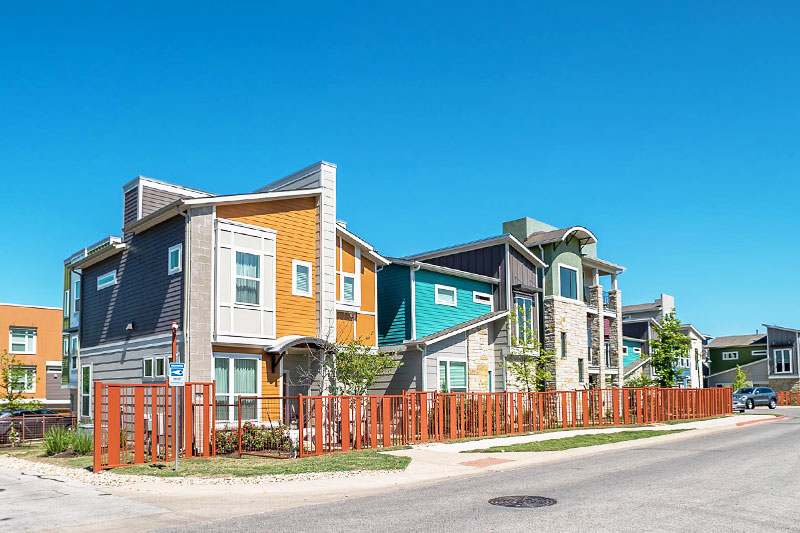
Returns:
(452, 376)
(637, 351)
(759, 353)
(66, 303)
(175, 259)
(22, 340)
(86, 390)
(446, 295)
(482, 298)
(580, 370)
(624, 350)
(235, 377)
(248, 278)
(73, 352)
(783, 360)
(491, 382)
(76, 297)
(22, 379)
(301, 278)
(154, 367)
(563, 345)
(728, 356)
(568, 277)
(524, 306)
(607, 350)
(106, 280)
(65, 347)
(348, 288)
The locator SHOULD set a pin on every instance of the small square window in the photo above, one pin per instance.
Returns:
(482, 298)
(348, 288)
(22, 340)
(301, 278)
(175, 259)
(624, 350)
(446, 295)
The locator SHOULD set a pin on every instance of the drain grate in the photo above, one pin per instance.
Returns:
(523, 501)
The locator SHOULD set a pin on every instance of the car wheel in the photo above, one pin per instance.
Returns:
(750, 404)
(773, 404)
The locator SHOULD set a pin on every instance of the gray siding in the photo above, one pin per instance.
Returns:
(453, 348)
(498, 340)
(144, 294)
(130, 207)
(756, 373)
(155, 199)
(780, 338)
(404, 378)
(489, 261)
(53, 386)
(522, 271)
(122, 362)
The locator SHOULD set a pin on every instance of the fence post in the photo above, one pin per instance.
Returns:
(345, 424)
(138, 424)
(615, 405)
(301, 439)
(188, 420)
(405, 416)
(387, 425)
(98, 428)
(239, 419)
(585, 405)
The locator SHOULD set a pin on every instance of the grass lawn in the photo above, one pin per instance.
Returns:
(232, 466)
(578, 441)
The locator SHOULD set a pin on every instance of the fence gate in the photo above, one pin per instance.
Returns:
(134, 424)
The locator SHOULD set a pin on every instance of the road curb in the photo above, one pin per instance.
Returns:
(748, 422)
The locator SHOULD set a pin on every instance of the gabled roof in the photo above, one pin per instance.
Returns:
(481, 243)
(444, 270)
(781, 327)
(547, 237)
(367, 247)
(731, 341)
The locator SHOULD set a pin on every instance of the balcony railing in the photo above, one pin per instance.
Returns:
(587, 299)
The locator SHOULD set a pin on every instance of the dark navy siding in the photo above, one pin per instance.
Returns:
(155, 199)
(489, 261)
(636, 330)
(523, 272)
(394, 304)
(144, 293)
(130, 206)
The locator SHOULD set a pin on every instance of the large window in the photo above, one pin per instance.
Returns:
(22, 340)
(783, 361)
(446, 295)
(22, 379)
(106, 280)
(174, 259)
(86, 390)
(248, 278)
(452, 376)
(235, 377)
(568, 277)
(524, 308)
(301, 278)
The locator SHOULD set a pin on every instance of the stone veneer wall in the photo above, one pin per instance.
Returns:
(200, 283)
(615, 335)
(565, 315)
(784, 384)
(480, 359)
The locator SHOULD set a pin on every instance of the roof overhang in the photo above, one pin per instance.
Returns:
(446, 334)
(781, 328)
(444, 270)
(99, 255)
(694, 329)
(482, 243)
(581, 233)
(606, 267)
(283, 344)
(364, 245)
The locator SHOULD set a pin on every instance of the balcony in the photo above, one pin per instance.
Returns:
(588, 301)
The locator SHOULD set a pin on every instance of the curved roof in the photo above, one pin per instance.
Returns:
(546, 237)
(292, 341)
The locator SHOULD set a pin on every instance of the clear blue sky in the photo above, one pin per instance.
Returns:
(669, 129)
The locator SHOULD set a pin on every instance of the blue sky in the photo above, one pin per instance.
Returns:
(669, 129)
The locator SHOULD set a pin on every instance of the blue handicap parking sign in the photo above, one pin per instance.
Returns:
(176, 375)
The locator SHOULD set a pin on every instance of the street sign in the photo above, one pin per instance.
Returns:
(176, 376)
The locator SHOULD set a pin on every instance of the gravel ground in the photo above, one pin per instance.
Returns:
(110, 479)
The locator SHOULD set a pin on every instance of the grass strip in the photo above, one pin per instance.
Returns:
(578, 441)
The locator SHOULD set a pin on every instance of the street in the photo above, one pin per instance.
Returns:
(745, 479)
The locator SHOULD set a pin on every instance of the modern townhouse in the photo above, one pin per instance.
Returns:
(581, 317)
(767, 359)
(255, 285)
(32, 335)
(513, 274)
(638, 329)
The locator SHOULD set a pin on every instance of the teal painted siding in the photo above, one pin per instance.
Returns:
(431, 317)
(631, 357)
(394, 301)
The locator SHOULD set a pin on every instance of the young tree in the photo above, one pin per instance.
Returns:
(667, 349)
(740, 380)
(12, 384)
(356, 367)
(529, 364)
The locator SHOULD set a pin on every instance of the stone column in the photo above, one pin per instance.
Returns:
(478, 360)
(596, 300)
(199, 315)
(615, 335)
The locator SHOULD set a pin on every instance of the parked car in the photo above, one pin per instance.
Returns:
(753, 396)
(739, 403)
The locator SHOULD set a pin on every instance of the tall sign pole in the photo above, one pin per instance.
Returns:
(177, 380)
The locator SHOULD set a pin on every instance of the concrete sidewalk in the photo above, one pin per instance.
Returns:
(431, 463)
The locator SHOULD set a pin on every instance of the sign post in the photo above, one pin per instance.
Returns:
(177, 381)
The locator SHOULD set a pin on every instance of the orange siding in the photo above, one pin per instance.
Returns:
(367, 285)
(348, 258)
(270, 385)
(365, 328)
(295, 221)
(344, 327)
(48, 324)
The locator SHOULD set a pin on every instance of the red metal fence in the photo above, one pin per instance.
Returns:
(786, 398)
(27, 428)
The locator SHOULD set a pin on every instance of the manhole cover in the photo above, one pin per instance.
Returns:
(522, 501)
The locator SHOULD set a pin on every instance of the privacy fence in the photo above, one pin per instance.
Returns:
(134, 423)
(786, 398)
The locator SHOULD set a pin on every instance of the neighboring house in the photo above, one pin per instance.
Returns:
(32, 334)
(639, 323)
(442, 323)
(257, 284)
(767, 359)
(506, 259)
(582, 322)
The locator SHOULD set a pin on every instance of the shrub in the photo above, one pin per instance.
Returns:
(254, 438)
(82, 443)
(57, 439)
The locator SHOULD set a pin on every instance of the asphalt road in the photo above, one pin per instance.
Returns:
(746, 479)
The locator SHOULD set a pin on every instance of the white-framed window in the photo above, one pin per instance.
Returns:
(154, 367)
(65, 346)
(482, 298)
(22, 379)
(76, 297)
(73, 352)
(624, 350)
(452, 376)
(524, 308)
(22, 340)
(174, 259)
(248, 278)
(783, 360)
(86, 390)
(637, 351)
(302, 276)
(730, 356)
(759, 353)
(236, 376)
(445, 295)
(568, 281)
(66, 303)
(348, 288)
(106, 280)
